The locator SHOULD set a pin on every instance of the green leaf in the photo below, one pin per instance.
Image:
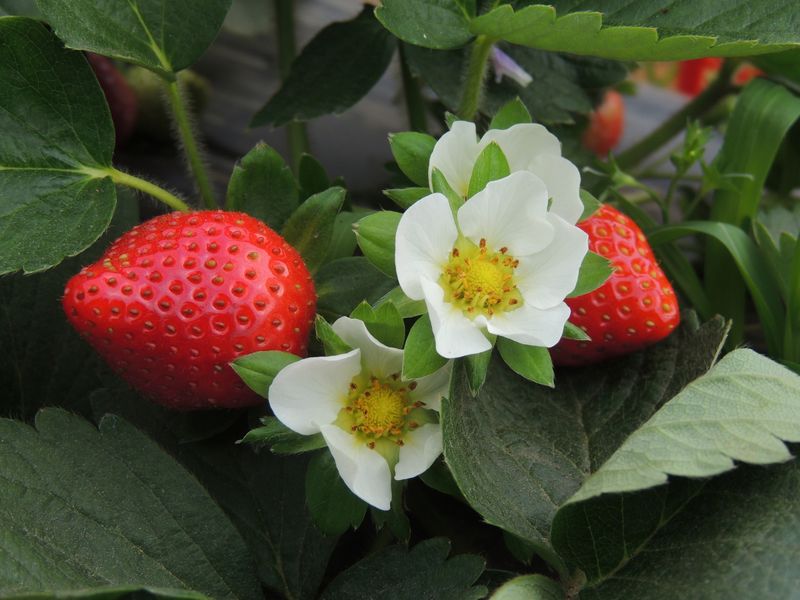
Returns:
(86, 508)
(383, 322)
(419, 355)
(519, 451)
(430, 23)
(406, 306)
(395, 518)
(44, 361)
(512, 113)
(629, 31)
(490, 165)
(333, 72)
(751, 265)
(529, 587)
(333, 507)
(344, 283)
(19, 8)
(311, 176)
(375, 234)
(343, 241)
(590, 204)
(281, 439)
(55, 151)
(262, 185)
(310, 227)
(439, 184)
(531, 362)
(331, 342)
(476, 367)
(258, 369)
(405, 197)
(595, 270)
(163, 36)
(763, 115)
(424, 571)
(112, 593)
(412, 151)
(573, 332)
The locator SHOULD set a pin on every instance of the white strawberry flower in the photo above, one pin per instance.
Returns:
(501, 267)
(375, 424)
(526, 146)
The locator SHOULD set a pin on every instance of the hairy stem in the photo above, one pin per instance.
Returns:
(145, 186)
(287, 49)
(476, 72)
(190, 143)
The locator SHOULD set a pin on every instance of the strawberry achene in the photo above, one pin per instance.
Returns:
(174, 300)
(636, 307)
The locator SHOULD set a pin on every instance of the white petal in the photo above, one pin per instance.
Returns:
(563, 181)
(420, 449)
(530, 325)
(521, 142)
(510, 212)
(455, 154)
(378, 359)
(454, 333)
(365, 472)
(544, 279)
(308, 394)
(431, 388)
(424, 239)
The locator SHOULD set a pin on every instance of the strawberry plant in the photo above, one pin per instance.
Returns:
(537, 360)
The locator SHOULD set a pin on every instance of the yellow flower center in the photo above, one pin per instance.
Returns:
(380, 409)
(479, 280)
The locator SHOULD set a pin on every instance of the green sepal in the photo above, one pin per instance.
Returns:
(406, 306)
(531, 362)
(311, 176)
(440, 185)
(573, 332)
(383, 322)
(419, 356)
(491, 165)
(595, 270)
(281, 439)
(412, 151)
(259, 369)
(310, 228)
(590, 204)
(477, 365)
(510, 114)
(331, 342)
(405, 197)
(332, 505)
(376, 238)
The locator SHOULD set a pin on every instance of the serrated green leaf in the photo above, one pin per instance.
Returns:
(344, 283)
(333, 507)
(375, 234)
(594, 272)
(331, 342)
(412, 151)
(405, 197)
(262, 185)
(55, 151)
(529, 587)
(383, 322)
(531, 362)
(490, 165)
(333, 72)
(518, 451)
(429, 23)
(512, 113)
(424, 571)
(165, 37)
(86, 508)
(281, 439)
(258, 369)
(419, 355)
(310, 228)
(632, 31)
(406, 306)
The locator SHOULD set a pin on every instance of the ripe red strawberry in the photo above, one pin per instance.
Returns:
(636, 307)
(119, 94)
(605, 125)
(177, 298)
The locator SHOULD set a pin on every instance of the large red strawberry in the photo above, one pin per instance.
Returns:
(636, 307)
(177, 298)
(606, 124)
(119, 94)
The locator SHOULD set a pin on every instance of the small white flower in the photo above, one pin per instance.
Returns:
(503, 266)
(527, 147)
(373, 422)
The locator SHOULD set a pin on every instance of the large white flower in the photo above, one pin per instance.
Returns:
(503, 266)
(374, 422)
(527, 147)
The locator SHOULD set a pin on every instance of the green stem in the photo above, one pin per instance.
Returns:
(476, 71)
(287, 49)
(415, 104)
(189, 143)
(152, 189)
(698, 106)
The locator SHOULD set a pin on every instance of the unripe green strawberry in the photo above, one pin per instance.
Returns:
(176, 299)
(636, 307)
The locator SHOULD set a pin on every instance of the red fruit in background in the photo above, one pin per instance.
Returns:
(605, 125)
(694, 75)
(636, 307)
(120, 96)
(177, 298)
